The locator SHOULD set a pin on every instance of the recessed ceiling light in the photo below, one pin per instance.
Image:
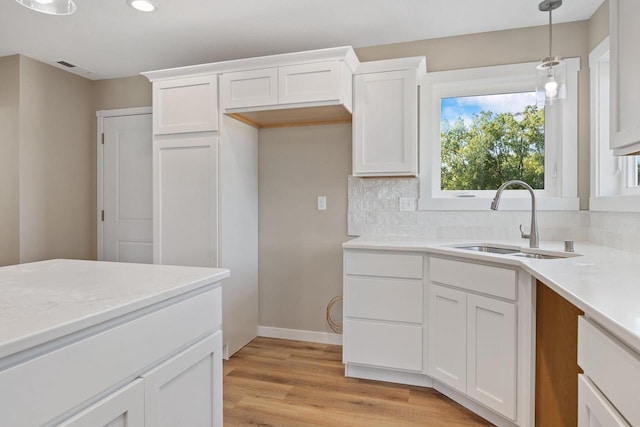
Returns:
(50, 7)
(141, 5)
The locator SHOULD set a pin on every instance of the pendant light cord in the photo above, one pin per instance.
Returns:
(550, 31)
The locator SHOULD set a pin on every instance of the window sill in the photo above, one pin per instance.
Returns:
(507, 204)
(629, 203)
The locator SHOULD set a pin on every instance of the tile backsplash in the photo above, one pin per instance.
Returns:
(374, 211)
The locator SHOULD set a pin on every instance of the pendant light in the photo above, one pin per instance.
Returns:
(552, 71)
(50, 7)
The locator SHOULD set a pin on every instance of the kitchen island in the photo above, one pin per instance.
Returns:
(86, 343)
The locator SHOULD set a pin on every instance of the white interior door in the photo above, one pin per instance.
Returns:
(127, 189)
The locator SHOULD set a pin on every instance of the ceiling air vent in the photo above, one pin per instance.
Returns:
(66, 64)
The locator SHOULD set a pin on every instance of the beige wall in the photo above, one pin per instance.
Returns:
(599, 25)
(300, 256)
(508, 47)
(9, 136)
(55, 162)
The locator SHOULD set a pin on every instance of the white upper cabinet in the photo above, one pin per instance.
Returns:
(250, 88)
(625, 76)
(188, 104)
(385, 117)
(296, 88)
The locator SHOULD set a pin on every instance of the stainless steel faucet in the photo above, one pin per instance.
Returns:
(533, 236)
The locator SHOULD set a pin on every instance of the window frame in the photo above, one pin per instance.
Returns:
(610, 175)
(561, 138)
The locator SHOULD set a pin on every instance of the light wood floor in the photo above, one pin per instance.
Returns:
(281, 383)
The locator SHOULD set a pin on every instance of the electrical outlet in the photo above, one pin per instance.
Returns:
(322, 203)
(407, 204)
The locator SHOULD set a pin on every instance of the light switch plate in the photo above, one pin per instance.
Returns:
(322, 203)
(407, 204)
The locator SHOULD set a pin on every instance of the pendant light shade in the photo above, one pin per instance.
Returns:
(551, 75)
(50, 7)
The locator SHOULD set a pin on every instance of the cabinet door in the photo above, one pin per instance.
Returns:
(491, 353)
(319, 81)
(594, 410)
(625, 76)
(447, 336)
(186, 391)
(185, 200)
(385, 124)
(253, 88)
(185, 105)
(124, 408)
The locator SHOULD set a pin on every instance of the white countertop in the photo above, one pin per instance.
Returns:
(46, 300)
(603, 282)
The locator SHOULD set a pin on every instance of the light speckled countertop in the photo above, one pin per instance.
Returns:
(603, 282)
(46, 300)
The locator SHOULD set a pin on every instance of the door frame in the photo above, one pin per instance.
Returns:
(101, 115)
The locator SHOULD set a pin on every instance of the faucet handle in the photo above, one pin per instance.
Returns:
(523, 234)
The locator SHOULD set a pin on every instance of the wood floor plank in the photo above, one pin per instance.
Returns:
(273, 382)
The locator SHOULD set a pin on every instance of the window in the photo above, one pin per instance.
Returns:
(484, 127)
(615, 181)
(486, 140)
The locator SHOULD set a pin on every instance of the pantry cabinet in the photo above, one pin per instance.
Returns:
(188, 104)
(385, 117)
(625, 76)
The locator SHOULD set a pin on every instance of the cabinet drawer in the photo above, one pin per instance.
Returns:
(314, 82)
(614, 369)
(382, 344)
(383, 299)
(500, 282)
(383, 264)
(185, 105)
(251, 88)
(71, 375)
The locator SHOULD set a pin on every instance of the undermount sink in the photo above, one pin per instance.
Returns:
(538, 256)
(516, 252)
(490, 249)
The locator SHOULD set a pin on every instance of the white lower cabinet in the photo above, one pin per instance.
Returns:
(448, 336)
(594, 410)
(609, 388)
(383, 310)
(182, 391)
(473, 338)
(464, 327)
(491, 353)
(124, 408)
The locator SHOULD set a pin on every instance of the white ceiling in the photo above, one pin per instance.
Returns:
(110, 39)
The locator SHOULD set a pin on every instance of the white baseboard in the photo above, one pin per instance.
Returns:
(299, 335)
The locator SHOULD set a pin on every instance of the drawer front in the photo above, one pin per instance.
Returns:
(363, 263)
(383, 299)
(614, 369)
(500, 282)
(185, 105)
(63, 379)
(382, 344)
(309, 82)
(251, 88)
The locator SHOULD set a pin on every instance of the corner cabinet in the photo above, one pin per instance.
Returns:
(460, 326)
(472, 331)
(625, 76)
(385, 117)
